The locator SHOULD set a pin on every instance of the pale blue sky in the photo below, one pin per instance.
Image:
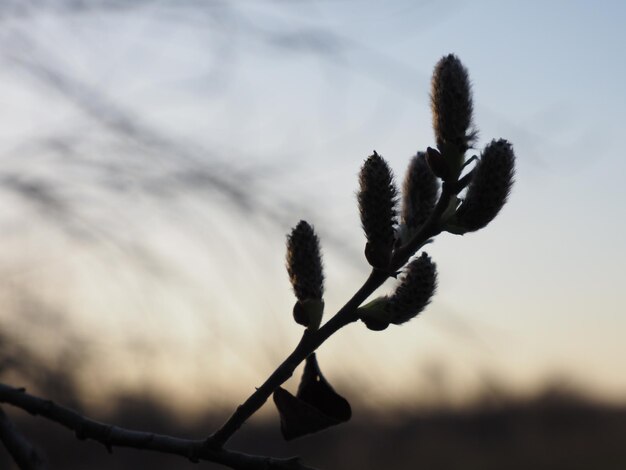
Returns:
(300, 93)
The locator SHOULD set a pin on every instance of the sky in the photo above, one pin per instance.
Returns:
(154, 157)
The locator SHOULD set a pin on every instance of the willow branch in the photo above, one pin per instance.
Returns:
(23, 453)
(211, 449)
(311, 340)
(114, 436)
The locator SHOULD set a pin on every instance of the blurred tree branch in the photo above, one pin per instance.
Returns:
(114, 436)
(22, 451)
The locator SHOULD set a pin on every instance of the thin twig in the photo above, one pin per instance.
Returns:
(24, 454)
(114, 436)
(310, 341)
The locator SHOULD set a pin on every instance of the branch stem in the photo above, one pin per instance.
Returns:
(24, 454)
(431, 228)
(114, 436)
(311, 340)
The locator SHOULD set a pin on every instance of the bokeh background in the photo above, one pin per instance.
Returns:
(153, 155)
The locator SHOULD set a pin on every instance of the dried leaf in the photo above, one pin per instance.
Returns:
(315, 407)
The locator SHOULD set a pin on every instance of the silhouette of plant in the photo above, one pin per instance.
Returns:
(442, 192)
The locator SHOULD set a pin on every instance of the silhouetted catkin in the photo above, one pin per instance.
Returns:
(304, 262)
(415, 290)
(377, 205)
(451, 103)
(419, 192)
(490, 186)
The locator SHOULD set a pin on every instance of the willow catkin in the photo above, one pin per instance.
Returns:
(451, 104)
(377, 199)
(304, 262)
(489, 188)
(416, 288)
(419, 192)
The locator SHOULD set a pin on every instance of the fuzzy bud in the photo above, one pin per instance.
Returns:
(451, 103)
(437, 164)
(489, 188)
(304, 263)
(419, 192)
(377, 204)
(415, 290)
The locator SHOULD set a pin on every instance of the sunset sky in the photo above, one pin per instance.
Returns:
(173, 147)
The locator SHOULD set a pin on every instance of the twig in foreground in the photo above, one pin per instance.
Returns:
(25, 455)
(114, 436)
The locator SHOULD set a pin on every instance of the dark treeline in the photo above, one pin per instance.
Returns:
(552, 431)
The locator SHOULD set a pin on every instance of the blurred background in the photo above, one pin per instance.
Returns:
(153, 155)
